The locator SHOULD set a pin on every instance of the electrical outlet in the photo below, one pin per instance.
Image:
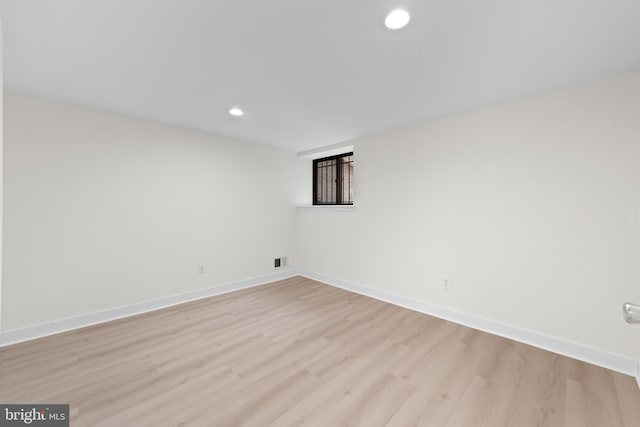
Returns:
(201, 269)
(280, 262)
(446, 282)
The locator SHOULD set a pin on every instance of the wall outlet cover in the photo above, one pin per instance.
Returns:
(280, 262)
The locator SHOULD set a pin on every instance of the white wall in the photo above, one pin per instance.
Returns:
(103, 210)
(1, 169)
(530, 206)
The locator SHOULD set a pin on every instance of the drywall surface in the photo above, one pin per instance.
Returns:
(1, 170)
(530, 207)
(104, 211)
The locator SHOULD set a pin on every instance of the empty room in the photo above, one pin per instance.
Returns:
(320, 213)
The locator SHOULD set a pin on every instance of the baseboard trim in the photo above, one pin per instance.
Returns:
(597, 357)
(594, 356)
(51, 328)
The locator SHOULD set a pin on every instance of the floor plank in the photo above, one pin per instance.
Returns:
(297, 352)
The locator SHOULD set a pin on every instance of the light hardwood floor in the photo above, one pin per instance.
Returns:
(297, 352)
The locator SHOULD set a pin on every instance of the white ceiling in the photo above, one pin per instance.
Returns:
(308, 73)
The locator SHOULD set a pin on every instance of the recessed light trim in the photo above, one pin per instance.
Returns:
(397, 19)
(236, 111)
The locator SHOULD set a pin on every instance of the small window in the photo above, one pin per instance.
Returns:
(333, 180)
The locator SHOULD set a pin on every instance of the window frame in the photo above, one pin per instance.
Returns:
(338, 183)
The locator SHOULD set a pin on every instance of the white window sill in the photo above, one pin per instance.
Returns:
(330, 208)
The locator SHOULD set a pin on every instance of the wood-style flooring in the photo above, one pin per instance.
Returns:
(297, 352)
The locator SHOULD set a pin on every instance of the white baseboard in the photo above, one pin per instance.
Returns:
(597, 357)
(594, 356)
(45, 329)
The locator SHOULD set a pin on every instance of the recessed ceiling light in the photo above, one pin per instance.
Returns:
(235, 111)
(397, 19)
